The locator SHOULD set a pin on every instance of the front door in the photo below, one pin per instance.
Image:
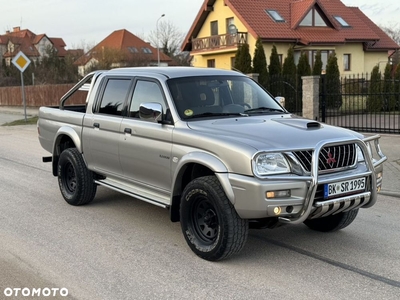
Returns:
(145, 147)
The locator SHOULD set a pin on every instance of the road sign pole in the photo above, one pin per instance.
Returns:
(21, 61)
(23, 94)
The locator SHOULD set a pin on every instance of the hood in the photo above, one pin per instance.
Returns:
(277, 131)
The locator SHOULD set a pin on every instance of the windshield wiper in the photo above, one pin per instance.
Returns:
(210, 114)
(263, 109)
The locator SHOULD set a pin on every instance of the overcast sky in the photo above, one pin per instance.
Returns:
(87, 22)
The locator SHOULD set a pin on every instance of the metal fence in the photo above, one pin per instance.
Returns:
(289, 87)
(360, 103)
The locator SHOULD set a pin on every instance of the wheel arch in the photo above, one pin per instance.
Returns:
(66, 137)
(192, 166)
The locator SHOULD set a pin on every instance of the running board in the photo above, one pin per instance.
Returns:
(126, 192)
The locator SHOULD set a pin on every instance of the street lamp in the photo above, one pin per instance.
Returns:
(158, 47)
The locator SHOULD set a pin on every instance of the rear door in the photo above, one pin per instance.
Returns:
(101, 131)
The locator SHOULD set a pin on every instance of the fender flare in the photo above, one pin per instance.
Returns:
(210, 161)
(73, 135)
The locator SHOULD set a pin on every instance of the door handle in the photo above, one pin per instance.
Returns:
(128, 130)
(96, 125)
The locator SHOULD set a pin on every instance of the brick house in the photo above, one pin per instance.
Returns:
(307, 25)
(32, 45)
(122, 48)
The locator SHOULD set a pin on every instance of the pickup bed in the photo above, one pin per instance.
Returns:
(214, 148)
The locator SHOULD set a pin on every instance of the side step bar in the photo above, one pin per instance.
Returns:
(126, 192)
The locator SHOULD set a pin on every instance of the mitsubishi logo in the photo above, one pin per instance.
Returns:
(331, 160)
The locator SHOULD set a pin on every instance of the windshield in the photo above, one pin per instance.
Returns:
(216, 96)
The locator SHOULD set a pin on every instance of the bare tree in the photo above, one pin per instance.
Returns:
(108, 58)
(168, 37)
(393, 31)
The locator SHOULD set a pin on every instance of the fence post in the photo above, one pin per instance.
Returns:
(311, 97)
(253, 76)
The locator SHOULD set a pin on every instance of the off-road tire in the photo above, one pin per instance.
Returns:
(332, 222)
(210, 224)
(74, 179)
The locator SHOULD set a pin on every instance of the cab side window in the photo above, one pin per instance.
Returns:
(145, 91)
(114, 96)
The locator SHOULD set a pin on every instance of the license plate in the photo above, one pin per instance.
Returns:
(344, 187)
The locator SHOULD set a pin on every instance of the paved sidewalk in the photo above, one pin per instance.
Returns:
(390, 145)
(14, 113)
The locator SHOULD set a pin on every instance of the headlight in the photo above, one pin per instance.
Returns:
(269, 164)
(360, 156)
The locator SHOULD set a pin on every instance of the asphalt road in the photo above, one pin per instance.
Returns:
(122, 248)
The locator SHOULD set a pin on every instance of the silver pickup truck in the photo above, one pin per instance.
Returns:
(214, 148)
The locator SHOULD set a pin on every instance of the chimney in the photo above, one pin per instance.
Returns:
(16, 29)
(7, 31)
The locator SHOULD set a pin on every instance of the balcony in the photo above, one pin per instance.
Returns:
(219, 42)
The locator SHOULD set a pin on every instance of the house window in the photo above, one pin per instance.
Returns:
(211, 63)
(229, 21)
(214, 27)
(274, 14)
(346, 62)
(324, 57)
(147, 50)
(133, 49)
(341, 21)
(313, 18)
(233, 59)
(311, 54)
(280, 56)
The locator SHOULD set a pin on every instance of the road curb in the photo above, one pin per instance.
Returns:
(388, 193)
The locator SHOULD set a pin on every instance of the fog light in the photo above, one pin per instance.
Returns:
(277, 194)
(277, 210)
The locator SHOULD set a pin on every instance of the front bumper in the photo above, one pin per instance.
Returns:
(304, 200)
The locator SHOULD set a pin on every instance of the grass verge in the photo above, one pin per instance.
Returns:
(29, 121)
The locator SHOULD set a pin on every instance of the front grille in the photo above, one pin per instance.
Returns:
(330, 158)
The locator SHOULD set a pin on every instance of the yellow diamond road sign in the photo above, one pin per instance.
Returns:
(21, 61)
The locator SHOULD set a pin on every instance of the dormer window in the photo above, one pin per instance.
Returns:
(275, 15)
(341, 21)
(313, 18)
(146, 50)
(133, 49)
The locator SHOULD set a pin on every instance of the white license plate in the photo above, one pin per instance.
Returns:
(344, 187)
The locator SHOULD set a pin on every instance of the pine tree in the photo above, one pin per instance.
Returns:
(317, 69)
(389, 100)
(289, 67)
(374, 100)
(397, 86)
(260, 63)
(289, 71)
(274, 69)
(303, 68)
(243, 59)
(334, 95)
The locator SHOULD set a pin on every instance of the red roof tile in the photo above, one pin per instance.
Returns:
(385, 42)
(299, 9)
(123, 40)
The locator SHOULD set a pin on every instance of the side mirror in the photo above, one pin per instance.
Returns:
(281, 100)
(151, 112)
